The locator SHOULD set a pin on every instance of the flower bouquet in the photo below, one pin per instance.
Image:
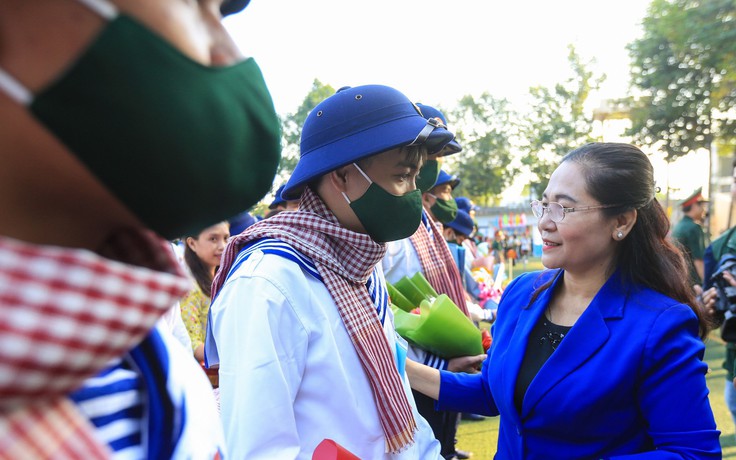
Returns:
(432, 322)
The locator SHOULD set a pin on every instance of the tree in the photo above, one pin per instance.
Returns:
(484, 129)
(685, 68)
(558, 122)
(292, 126)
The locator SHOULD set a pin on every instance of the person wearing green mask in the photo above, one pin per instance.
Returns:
(314, 354)
(438, 200)
(431, 168)
(427, 252)
(108, 109)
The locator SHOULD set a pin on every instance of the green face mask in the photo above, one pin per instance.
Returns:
(384, 216)
(428, 175)
(444, 210)
(181, 144)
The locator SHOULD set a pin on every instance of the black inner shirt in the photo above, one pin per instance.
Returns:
(543, 340)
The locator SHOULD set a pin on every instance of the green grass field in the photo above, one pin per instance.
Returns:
(479, 437)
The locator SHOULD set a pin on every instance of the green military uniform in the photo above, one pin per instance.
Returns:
(689, 235)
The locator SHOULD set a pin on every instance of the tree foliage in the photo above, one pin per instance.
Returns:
(292, 126)
(557, 122)
(484, 128)
(685, 68)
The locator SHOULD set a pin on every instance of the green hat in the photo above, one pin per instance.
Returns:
(695, 197)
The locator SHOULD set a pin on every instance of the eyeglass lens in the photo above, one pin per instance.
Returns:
(555, 210)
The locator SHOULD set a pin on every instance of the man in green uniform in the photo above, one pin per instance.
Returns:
(689, 235)
(724, 244)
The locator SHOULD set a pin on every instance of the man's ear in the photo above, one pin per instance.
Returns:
(339, 178)
(426, 200)
(448, 233)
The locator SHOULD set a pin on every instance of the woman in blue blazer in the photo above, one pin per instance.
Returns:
(601, 356)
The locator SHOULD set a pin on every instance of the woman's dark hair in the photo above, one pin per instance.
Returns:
(622, 175)
(198, 269)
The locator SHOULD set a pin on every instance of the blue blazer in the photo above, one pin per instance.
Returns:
(628, 380)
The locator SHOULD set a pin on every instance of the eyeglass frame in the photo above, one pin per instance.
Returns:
(566, 210)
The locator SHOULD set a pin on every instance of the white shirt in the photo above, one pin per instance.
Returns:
(172, 322)
(289, 373)
(401, 260)
(469, 256)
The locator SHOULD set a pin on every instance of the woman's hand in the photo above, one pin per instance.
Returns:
(708, 298)
(469, 364)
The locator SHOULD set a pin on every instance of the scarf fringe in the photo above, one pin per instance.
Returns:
(403, 440)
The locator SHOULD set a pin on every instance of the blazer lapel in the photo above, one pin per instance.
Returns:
(585, 338)
(528, 317)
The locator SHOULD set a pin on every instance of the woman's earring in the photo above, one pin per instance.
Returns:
(620, 234)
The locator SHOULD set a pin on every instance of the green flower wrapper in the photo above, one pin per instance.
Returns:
(441, 328)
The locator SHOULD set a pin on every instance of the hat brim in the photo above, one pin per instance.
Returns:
(460, 228)
(453, 183)
(229, 7)
(276, 203)
(452, 147)
(372, 141)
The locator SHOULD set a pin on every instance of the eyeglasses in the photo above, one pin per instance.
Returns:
(557, 212)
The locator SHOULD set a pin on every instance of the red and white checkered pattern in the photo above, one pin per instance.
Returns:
(438, 265)
(345, 260)
(66, 314)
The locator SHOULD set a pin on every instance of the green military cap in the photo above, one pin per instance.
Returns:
(695, 197)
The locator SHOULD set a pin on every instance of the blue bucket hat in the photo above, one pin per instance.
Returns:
(240, 222)
(357, 123)
(277, 200)
(445, 178)
(431, 112)
(462, 223)
(229, 7)
(465, 204)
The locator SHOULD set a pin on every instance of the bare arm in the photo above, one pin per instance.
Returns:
(423, 379)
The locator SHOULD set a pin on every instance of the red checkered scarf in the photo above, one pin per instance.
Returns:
(66, 313)
(345, 260)
(437, 263)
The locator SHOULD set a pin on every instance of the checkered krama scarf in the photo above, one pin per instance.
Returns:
(438, 264)
(345, 260)
(66, 314)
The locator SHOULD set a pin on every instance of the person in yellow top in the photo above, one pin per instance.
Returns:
(202, 255)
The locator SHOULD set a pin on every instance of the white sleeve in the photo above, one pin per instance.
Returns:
(179, 329)
(262, 347)
(172, 322)
(401, 260)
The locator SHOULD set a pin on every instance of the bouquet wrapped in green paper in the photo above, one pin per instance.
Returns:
(439, 327)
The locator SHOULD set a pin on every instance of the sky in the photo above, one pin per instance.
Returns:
(434, 51)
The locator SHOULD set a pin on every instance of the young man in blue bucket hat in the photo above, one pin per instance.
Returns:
(300, 324)
(279, 204)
